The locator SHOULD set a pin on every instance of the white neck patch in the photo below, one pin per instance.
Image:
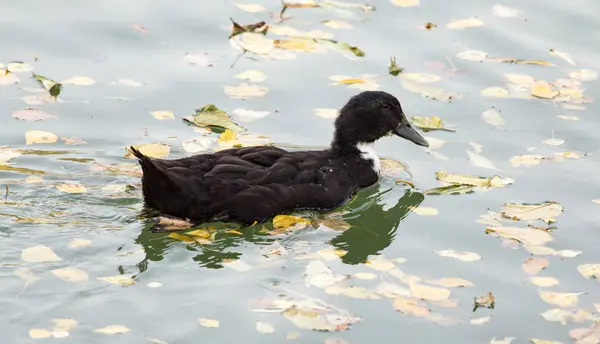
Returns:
(368, 153)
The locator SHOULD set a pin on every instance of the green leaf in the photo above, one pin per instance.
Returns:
(342, 46)
(212, 116)
(49, 85)
(393, 68)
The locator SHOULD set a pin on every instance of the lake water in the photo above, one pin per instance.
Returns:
(80, 263)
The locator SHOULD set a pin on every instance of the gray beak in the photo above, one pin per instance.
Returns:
(406, 131)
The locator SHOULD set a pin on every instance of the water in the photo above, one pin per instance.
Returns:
(102, 232)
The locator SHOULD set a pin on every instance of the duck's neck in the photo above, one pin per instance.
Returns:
(366, 151)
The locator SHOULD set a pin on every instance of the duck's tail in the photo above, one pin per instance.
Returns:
(156, 182)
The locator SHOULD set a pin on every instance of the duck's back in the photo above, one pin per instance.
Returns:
(246, 184)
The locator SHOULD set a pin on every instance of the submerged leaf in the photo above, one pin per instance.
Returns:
(39, 254)
(153, 150)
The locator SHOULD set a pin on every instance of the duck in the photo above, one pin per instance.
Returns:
(249, 185)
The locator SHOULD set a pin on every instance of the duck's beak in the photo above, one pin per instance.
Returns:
(406, 131)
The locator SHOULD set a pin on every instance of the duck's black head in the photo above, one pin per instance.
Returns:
(370, 115)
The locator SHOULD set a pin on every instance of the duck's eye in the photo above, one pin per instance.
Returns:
(386, 106)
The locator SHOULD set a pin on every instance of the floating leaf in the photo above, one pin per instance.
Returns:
(534, 265)
(560, 299)
(130, 83)
(493, 117)
(544, 281)
(327, 113)
(505, 11)
(429, 123)
(543, 341)
(237, 265)
(505, 340)
(19, 67)
(530, 160)
(319, 275)
(245, 91)
(289, 221)
(425, 211)
(589, 270)
(486, 300)
(252, 8)
(452, 282)
(71, 188)
(364, 275)
(473, 55)
(463, 179)
(118, 280)
(31, 114)
(153, 150)
(405, 3)
(480, 161)
(554, 142)
(112, 329)
(71, 274)
(38, 333)
(568, 253)
(584, 75)
(463, 256)
(410, 307)
(209, 322)
(252, 76)
(393, 68)
(530, 212)
(497, 92)
(528, 236)
(338, 24)
(263, 327)
(543, 91)
(39, 254)
(380, 263)
(162, 114)
(428, 91)
(79, 81)
(564, 56)
(464, 23)
(38, 136)
(421, 291)
(481, 320)
(212, 116)
(421, 77)
(200, 59)
(76, 242)
(49, 85)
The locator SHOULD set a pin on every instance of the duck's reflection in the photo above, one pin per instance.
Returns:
(374, 214)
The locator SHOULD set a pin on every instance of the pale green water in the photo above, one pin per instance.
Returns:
(96, 39)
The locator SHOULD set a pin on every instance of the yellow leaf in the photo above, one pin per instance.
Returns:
(233, 231)
(79, 81)
(182, 237)
(71, 188)
(544, 281)
(118, 280)
(462, 179)
(462, 256)
(252, 8)
(497, 92)
(410, 307)
(543, 91)
(112, 329)
(481, 320)
(227, 135)
(162, 114)
(327, 113)
(338, 24)
(39, 254)
(39, 333)
(464, 23)
(64, 324)
(38, 136)
(530, 212)
(473, 55)
(425, 211)
(429, 123)
(421, 291)
(534, 265)
(405, 3)
(452, 282)
(351, 81)
(534, 62)
(208, 322)
(153, 150)
(245, 91)
(543, 341)
(485, 300)
(380, 263)
(289, 221)
(71, 274)
(203, 233)
(365, 275)
(540, 250)
(527, 236)
(589, 270)
(560, 299)
(584, 75)
(529, 160)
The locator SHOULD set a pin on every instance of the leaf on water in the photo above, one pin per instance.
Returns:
(209, 322)
(451, 282)
(250, 115)
(327, 113)
(162, 114)
(202, 233)
(153, 150)
(227, 135)
(38, 136)
(411, 307)
(531, 212)
(289, 222)
(252, 76)
(364, 275)
(481, 320)
(584, 75)
(526, 159)
(79, 81)
(589, 270)
(421, 77)
(393, 68)
(19, 67)
(464, 23)
(26, 274)
(544, 91)
(480, 161)
(505, 340)
(76, 242)
(429, 123)
(72, 140)
(554, 142)
(237, 29)
(7, 78)
(39, 333)
(182, 238)
(380, 263)
(71, 188)
(473, 55)
(212, 116)
(71, 274)
(113, 329)
(540, 250)
(337, 24)
(424, 292)
(425, 211)
(263, 327)
(255, 43)
(463, 256)
(434, 143)
(129, 83)
(568, 253)
(252, 8)
(528, 236)
(492, 116)
(497, 92)
(543, 341)
(505, 11)
(51, 86)
(486, 300)
(334, 224)
(319, 275)
(39, 254)
(245, 91)
(118, 280)
(405, 3)
(463, 179)
(564, 56)
(534, 265)
(31, 114)
(544, 281)
(428, 91)
(237, 265)
(560, 299)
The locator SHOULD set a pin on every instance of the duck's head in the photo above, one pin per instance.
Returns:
(370, 115)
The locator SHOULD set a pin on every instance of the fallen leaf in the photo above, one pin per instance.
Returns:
(31, 114)
(530, 160)
(153, 150)
(71, 188)
(162, 114)
(544, 281)
(39, 254)
(463, 256)
(473, 55)
(252, 8)
(429, 123)
(410, 307)
(568, 253)
(486, 300)
(64, 324)
(420, 77)
(79, 81)
(245, 91)
(364, 275)
(505, 11)
(540, 250)
(530, 212)
(462, 179)
(38, 333)
(480, 161)
(263, 327)
(425, 211)
(497, 92)
(543, 91)
(589, 270)
(289, 221)
(252, 76)
(527, 236)
(405, 3)
(560, 299)
(543, 341)
(292, 335)
(424, 292)
(584, 75)
(505, 340)
(564, 56)
(212, 116)
(534, 265)
(19, 67)
(380, 263)
(237, 265)
(129, 83)
(71, 274)
(113, 329)
(38, 136)
(481, 320)
(491, 116)
(452, 282)
(319, 275)
(554, 142)
(464, 23)
(327, 113)
(118, 280)
(338, 24)
(208, 322)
